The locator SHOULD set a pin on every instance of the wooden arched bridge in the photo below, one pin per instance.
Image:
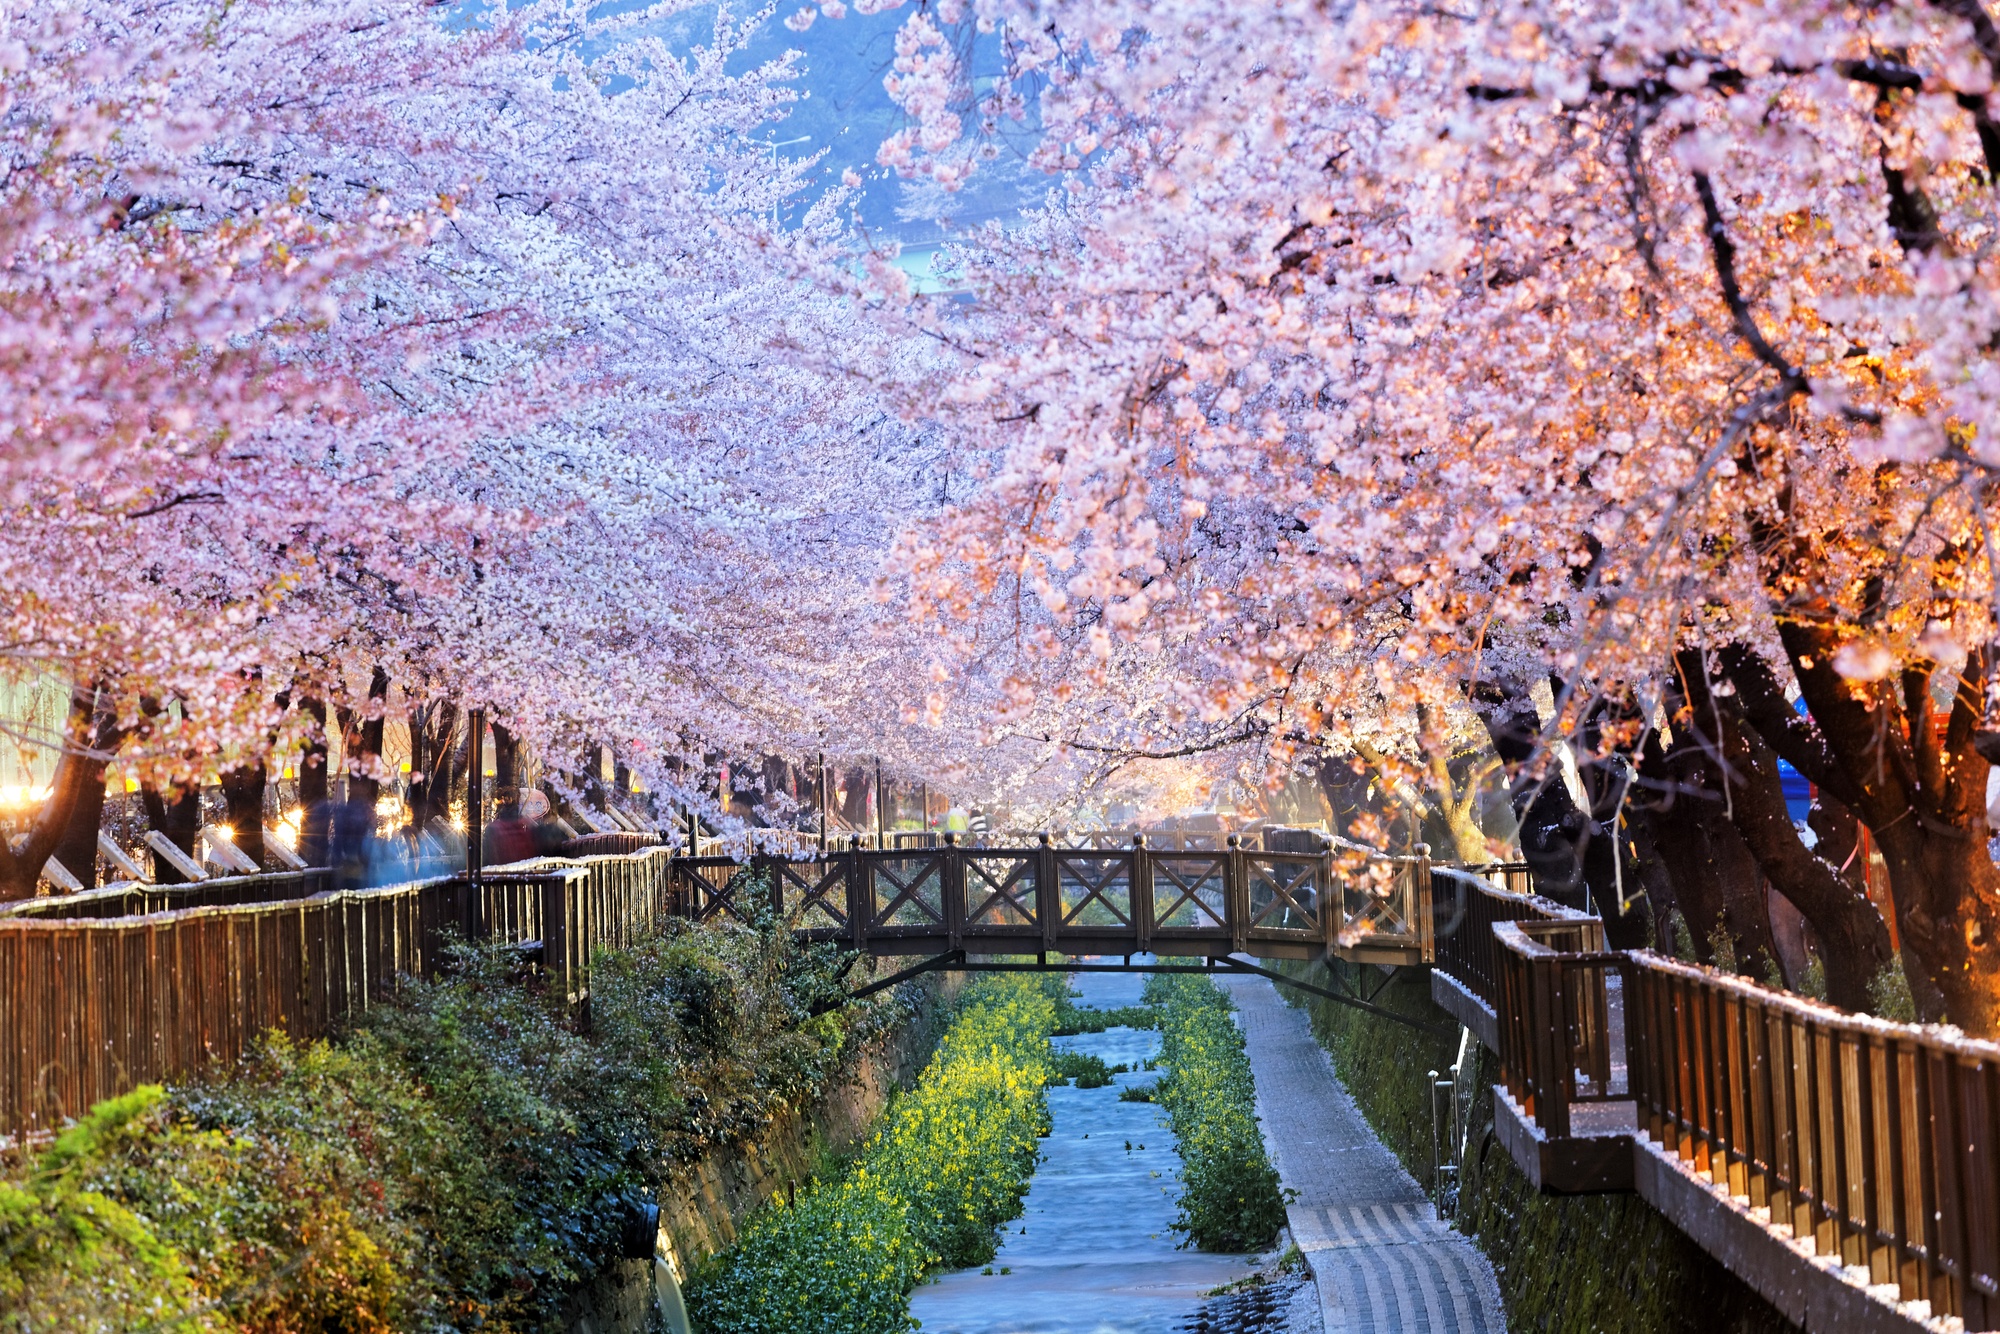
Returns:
(1846, 1167)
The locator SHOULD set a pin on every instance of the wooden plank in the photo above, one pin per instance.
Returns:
(174, 857)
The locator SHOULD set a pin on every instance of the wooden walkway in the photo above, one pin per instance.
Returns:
(1383, 1261)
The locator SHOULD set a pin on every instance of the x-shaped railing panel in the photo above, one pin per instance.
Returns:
(914, 897)
(1095, 891)
(1188, 893)
(999, 891)
(815, 893)
(713, 888)
(1284, 894)
(1377, 904)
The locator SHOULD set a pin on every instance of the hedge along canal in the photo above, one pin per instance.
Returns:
(1099, 1246)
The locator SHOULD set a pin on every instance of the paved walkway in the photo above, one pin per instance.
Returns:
(1385, 1264)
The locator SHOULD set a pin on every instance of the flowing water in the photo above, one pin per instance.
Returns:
(1094, 1251)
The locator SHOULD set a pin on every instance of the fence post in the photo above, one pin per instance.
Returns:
(1423, 901)
(951, 888)
(1332, 904)
(1048, 890)
(1236, 893)
(769, 864)
(860, 894)
(475, 813)
(1142, 893)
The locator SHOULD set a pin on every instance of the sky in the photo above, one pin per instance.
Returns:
(847, 113)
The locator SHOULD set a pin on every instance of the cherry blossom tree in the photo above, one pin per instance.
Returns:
(1576, 338)
(432, 347)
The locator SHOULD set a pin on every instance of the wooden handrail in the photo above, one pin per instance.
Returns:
(1877, 1141)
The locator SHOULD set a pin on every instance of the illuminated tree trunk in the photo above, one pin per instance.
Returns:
(176, 813)
(1853, 938)
(76, 797)
(436, 761)
(243, 803)
(1872, 746)
(314, 789)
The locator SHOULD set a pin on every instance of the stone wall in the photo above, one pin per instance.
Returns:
(705, 1202)
(1576, 1264)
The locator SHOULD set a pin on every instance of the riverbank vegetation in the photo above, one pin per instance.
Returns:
(461, 1159)
(949, 1165)
(1230, 1199)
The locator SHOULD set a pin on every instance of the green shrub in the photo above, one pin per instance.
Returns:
(1072, 1019)
(71, 1256)
(1230, 1200)
(1087, 1071)
(459, 1161)
(1889, 995)
(950, 1163)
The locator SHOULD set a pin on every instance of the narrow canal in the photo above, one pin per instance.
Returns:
(1094, 1251)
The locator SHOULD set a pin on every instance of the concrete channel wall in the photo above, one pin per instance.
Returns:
(706, 1201)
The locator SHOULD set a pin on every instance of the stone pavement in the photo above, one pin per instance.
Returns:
(1384, 1262)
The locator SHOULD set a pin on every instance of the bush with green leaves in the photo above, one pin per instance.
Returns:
(460, 1160)
(1082, 1068)
(1230, 1199)
(1072, 1019)
(949, 1164)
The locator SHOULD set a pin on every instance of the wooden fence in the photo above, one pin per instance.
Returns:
(93, 1006)
(1876, 1142)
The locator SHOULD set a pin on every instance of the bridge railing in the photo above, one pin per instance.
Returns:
(1047, 897)
(1467, 904)
(1877, 1142)
(94, 1003)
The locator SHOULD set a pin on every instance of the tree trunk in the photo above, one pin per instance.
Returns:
(1872, 746)
(1572, 853)
(506, 759)
(177, 814)
(77, 851)
(361, 741)
(314, 832)
(435, 761)
(243, 808)
(1854, 940)
(69, 818)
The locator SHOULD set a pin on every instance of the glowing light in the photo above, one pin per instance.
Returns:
(388, 807)
(223, 832)
(16, 796)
